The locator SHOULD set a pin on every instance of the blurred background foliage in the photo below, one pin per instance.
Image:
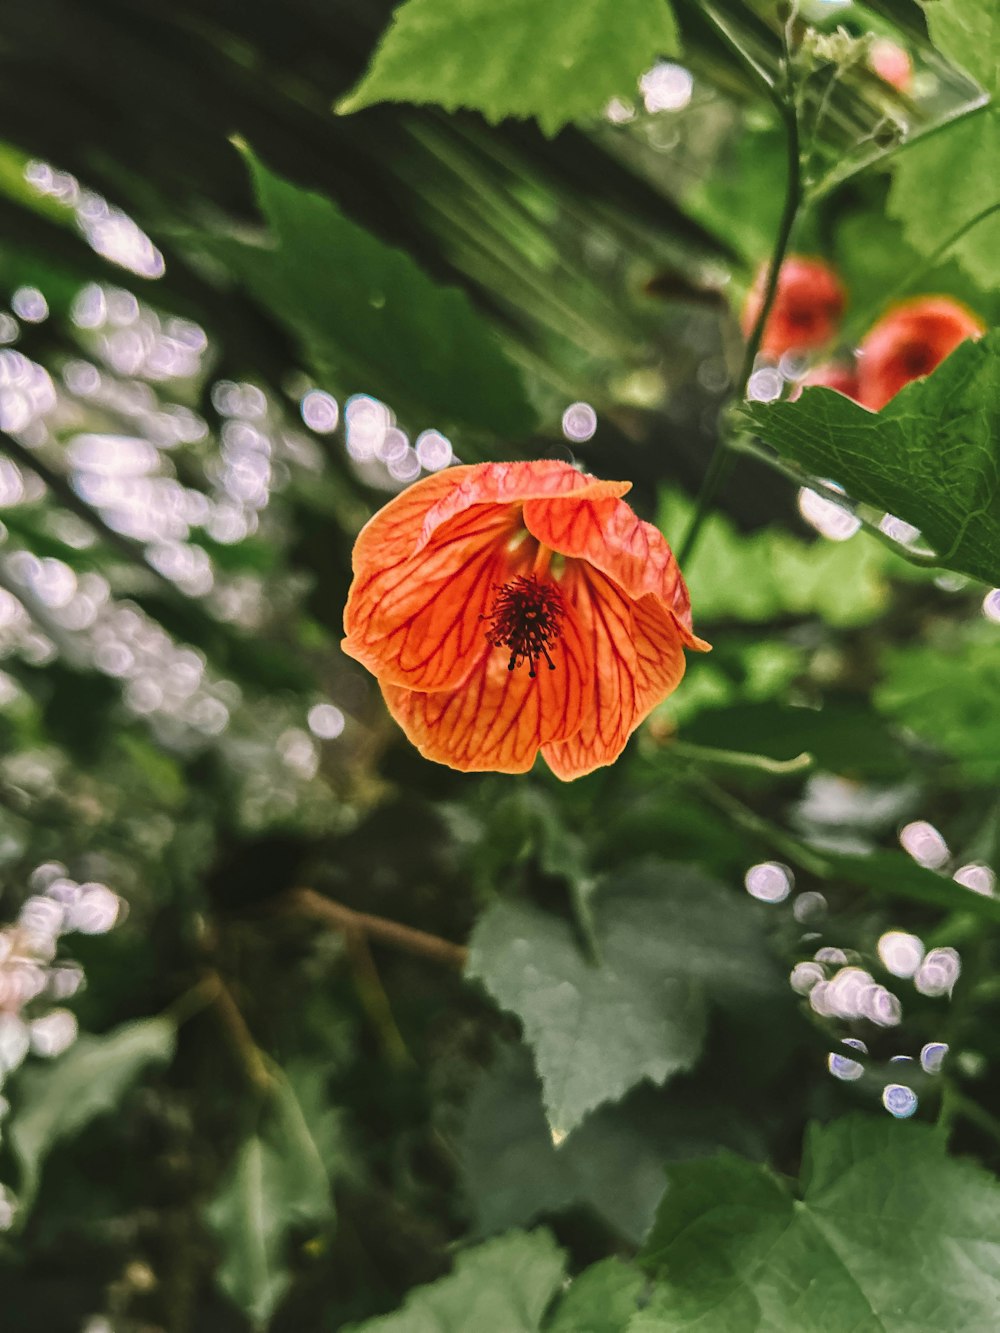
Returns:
(235, 323)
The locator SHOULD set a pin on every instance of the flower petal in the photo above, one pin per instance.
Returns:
(416, 622)
(408, 522)
(605, 532)
(604, 616)
(659, 646)
(497, 719)
(512, 483)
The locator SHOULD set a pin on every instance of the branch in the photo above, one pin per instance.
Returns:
(308, 902)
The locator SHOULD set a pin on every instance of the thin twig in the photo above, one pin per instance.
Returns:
(393, 933)
(252, 1058)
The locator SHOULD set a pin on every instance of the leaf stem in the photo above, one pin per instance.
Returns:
(722, 458)
(708, 754)
(405, 938)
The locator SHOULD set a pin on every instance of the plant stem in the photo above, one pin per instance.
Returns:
(722, 458)
(761, 763)
(405, 938)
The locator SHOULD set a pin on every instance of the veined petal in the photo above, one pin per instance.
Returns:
(659, 646)
(606, 533)
(512, 483)
(408, 522)
(603, 614)
(497, 719)
(416, 622)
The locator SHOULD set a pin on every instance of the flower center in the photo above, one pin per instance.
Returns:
(525, 617)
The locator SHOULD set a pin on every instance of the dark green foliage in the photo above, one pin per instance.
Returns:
(366, 1043)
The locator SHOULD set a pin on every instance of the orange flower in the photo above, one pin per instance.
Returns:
(909, 341)
(508, 608)
(807, 306)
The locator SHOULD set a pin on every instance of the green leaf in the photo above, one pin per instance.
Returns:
(665, 934)
(931, 456)
(949, 695)
(843, 736)
(737, 199)
(896, 875)
(280, 1180)
(763, 575)
(613, 1163)
(884, 1232)
(370, 320)
(503, 1286)
(954, 167)
(601, 1300)
(55, 1101)
(558, 61)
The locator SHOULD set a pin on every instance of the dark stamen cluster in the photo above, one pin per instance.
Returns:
(525, 617)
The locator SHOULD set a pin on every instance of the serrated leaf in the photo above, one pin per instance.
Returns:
(503, 1286)
(664, 934)
(613, 1163)
(883, 1234)
(931, 456)
(370, 320)
(559, 61)
(949, 695)
(55, 1101)
(601, 1300)
(280, 1180)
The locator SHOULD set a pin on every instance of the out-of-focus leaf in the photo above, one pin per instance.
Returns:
(738, 200)
(369, 320)
(558, 61)
(280, 1180)
(613, 1162)
(949, 695)
(764, 575)
(503, 1286)
(55, 1101)
(665, 933)
(601, 1300)
(737, 1247)
(844, 738)
(957, 167)
(931, 456)
(895, 875)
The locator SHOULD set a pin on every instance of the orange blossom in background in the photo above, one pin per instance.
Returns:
(808, 305)
(507, 608)
(909, 341)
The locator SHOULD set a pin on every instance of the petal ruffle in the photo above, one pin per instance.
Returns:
(497, 719)
(408, 522)
(605, 619)
(416, 622)
(606, 533)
